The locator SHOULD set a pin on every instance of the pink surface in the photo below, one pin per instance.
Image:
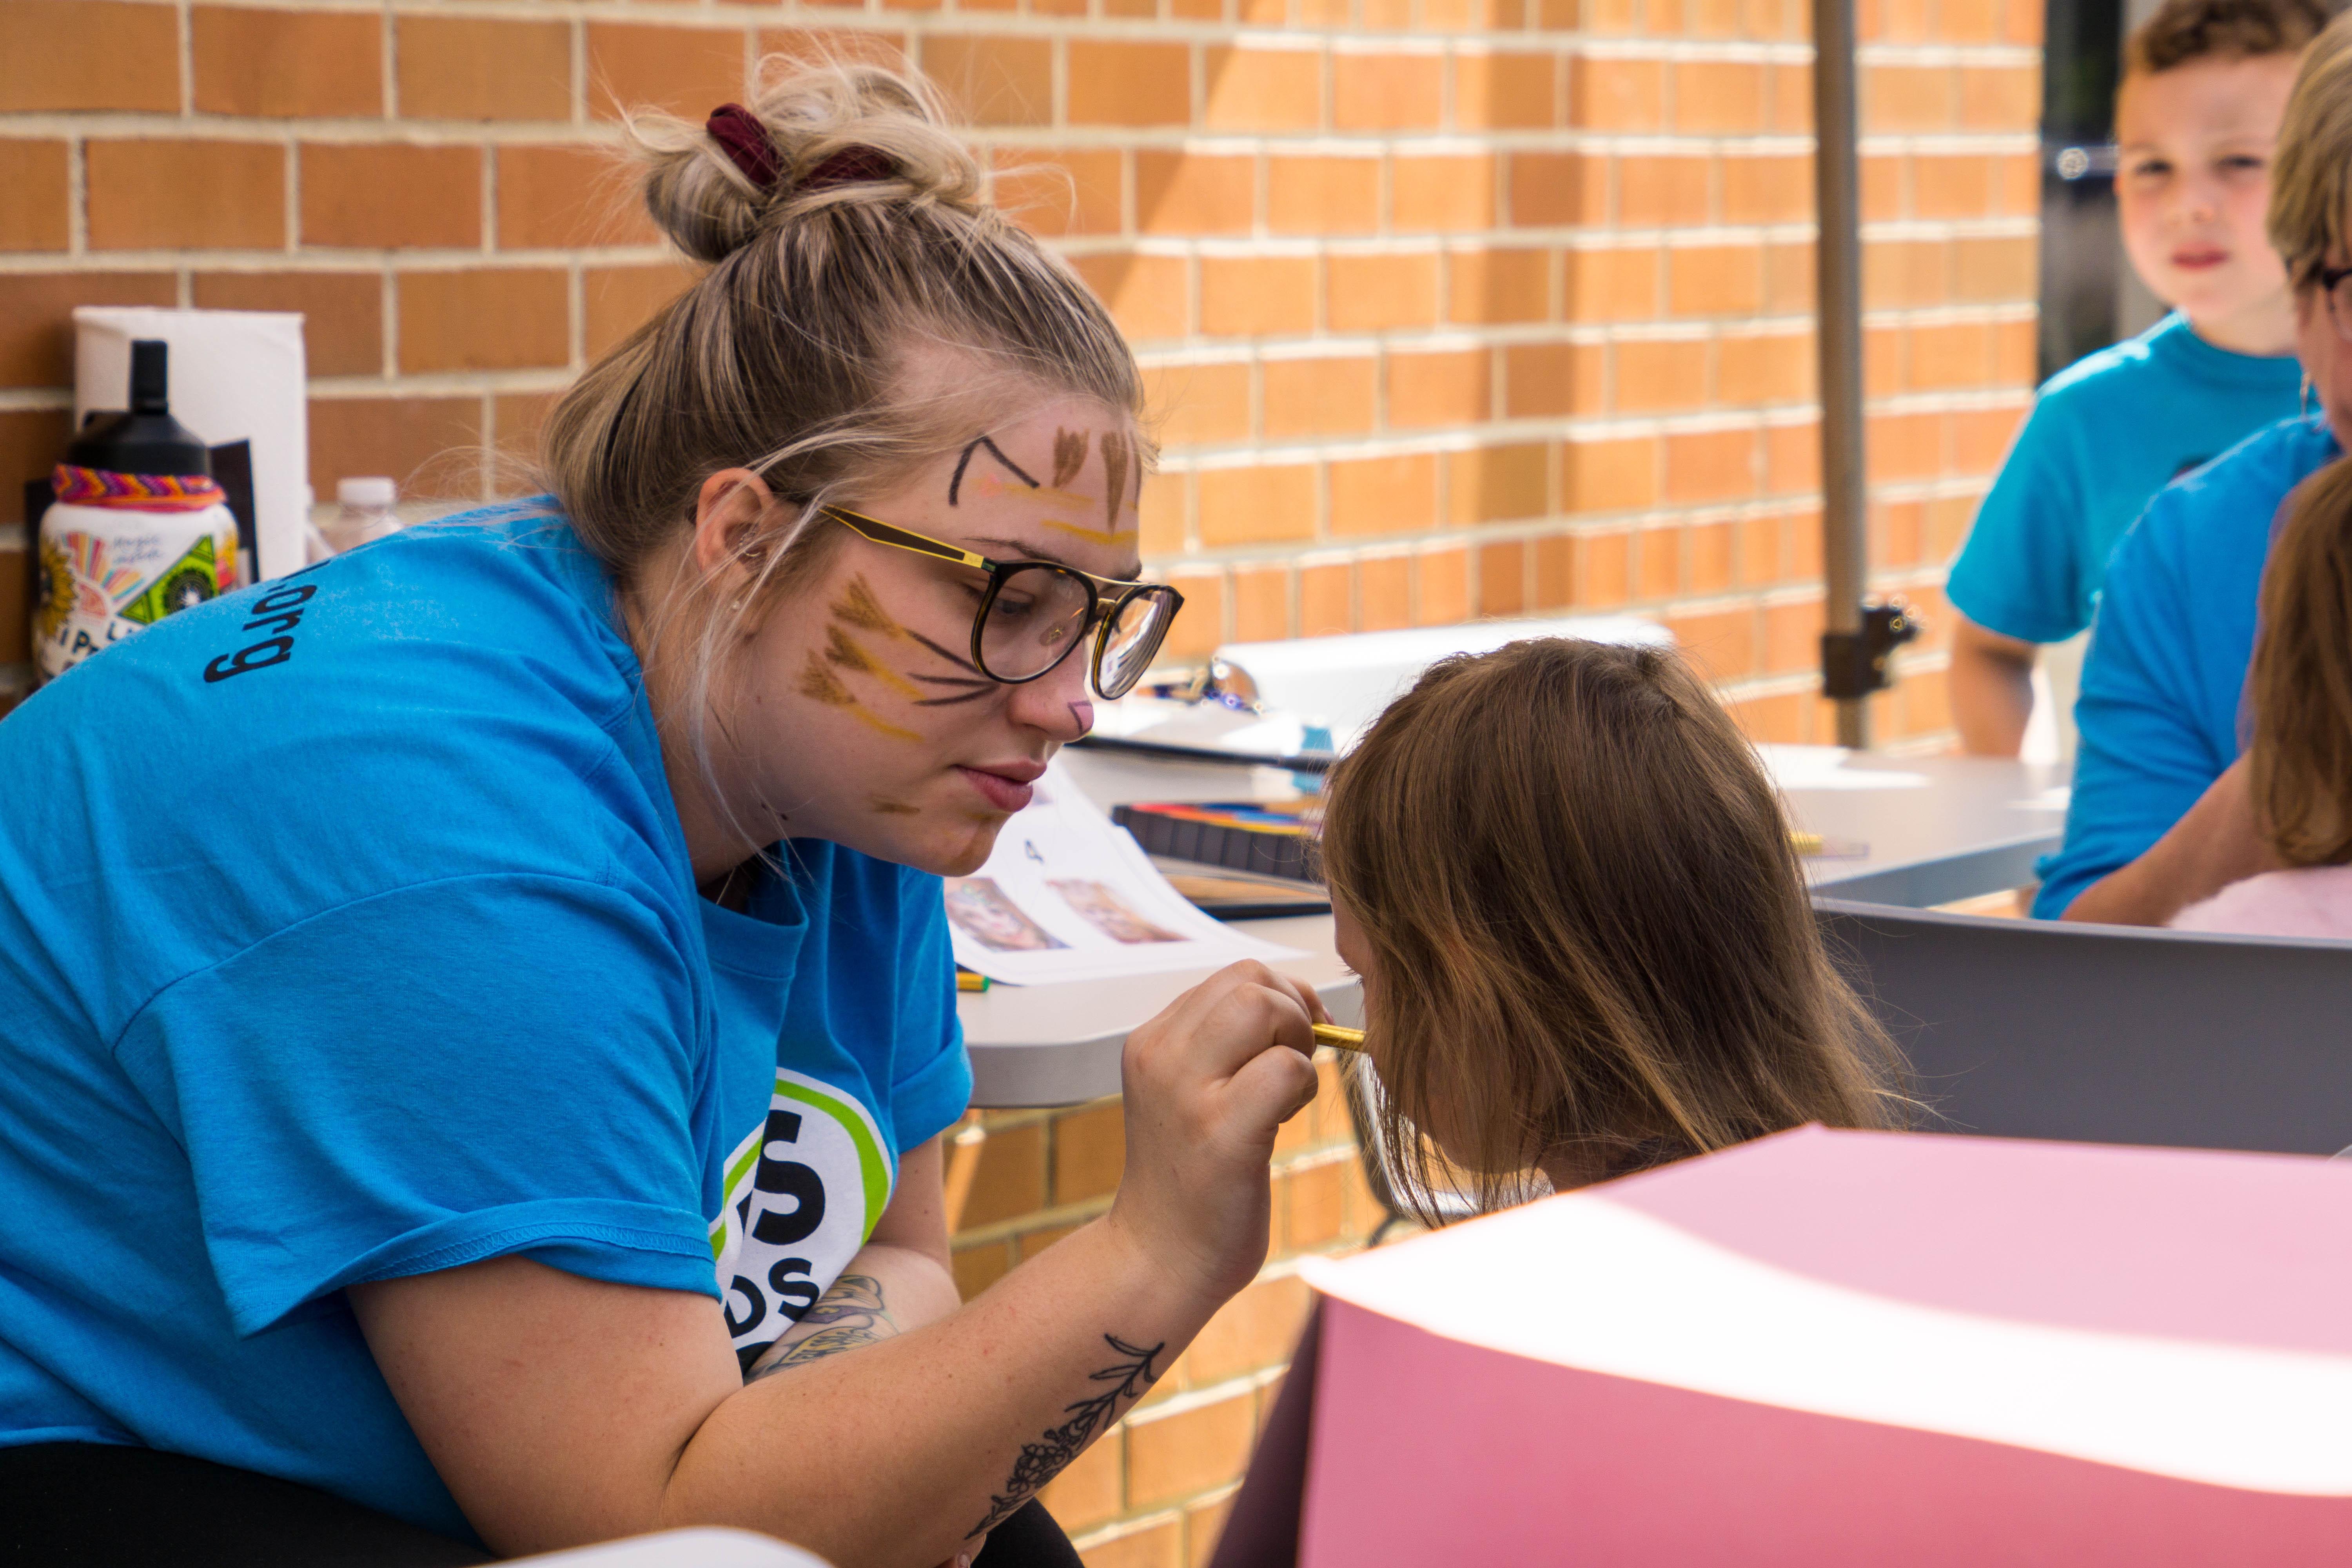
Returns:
(2243, 1249)
(1427, 1451)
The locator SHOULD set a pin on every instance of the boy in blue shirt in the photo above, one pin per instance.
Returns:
(2205, 84)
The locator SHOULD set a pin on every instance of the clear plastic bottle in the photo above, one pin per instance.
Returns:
(363, 511)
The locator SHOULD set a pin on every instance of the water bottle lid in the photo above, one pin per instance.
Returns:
(369, 490)
(144, 439)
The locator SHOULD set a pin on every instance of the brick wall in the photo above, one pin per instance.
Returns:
(1453, 308)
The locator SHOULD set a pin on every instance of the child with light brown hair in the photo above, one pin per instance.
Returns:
(1584, 938)
(2300, 692)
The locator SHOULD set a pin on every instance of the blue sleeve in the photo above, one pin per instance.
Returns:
(2019, 572)
(2142, 759)
(460, 1070)
(933, 1084)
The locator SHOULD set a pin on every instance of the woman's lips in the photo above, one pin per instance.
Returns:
(1007, 794)
(2198, 261)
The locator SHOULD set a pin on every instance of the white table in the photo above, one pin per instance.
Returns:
(1937, 829)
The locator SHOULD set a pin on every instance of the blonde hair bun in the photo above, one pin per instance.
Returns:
(709, 207)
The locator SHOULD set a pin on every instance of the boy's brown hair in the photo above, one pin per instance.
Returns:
(1591, 937)
(2184, 31)
(2301, 683)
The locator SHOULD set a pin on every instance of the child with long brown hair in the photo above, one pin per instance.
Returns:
(2300, 689)
(1584, 937)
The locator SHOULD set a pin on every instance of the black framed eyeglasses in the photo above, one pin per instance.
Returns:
(2332, 281)
(1034, 613)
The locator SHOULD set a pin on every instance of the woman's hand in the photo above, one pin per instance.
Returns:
(1207, 1082)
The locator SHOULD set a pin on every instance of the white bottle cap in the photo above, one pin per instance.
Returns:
(369, 491)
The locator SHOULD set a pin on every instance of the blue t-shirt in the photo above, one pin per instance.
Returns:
(2158, 714)
(347, 931)
(2105, 434)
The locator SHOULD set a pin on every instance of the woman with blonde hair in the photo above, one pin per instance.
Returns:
(479, 1014)
(1585, 941)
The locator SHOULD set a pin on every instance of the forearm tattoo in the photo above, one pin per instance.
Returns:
(1088, 1419)
(851, 1314)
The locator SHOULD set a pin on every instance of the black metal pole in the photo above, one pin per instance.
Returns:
(1837, 255)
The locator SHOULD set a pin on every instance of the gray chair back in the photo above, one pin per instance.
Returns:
(2109, 1033)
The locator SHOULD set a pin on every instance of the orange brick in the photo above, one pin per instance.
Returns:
(342, 312)
(1772, 721)
(1906, 98)
(1718, 96)
(2001, 98)
(995, 80)
(1078, 191)
(89, 54)
(1254, 1331)
(1894, 530)
(1256, 295)
(1148, 296)
(1663, 191)
(1088, 1492)
(464, 68)
(1202, 625)
(1450, 195)
(2017, 186)
(1372, 293)
(1881, 188)
(1897, 273)
(1711, 464)
(1654, 375)
(1722, 643)
(1957, 186)
(1903, 445)
(1658, 563)
(1548, 189)
(562, 197)
(1707, 558)
(1496, 484)
(36, 317)
(1498, 286)
(1384, 603)
(1792, 636)
(1326, 600)
(1792, 458)
(1761, 368)
(620, 300)
(977, 1268)
(1773, 189)
(516, 419)
(428, 445)
(1454, 387)
(198, 196)
(681, 71)
(1761, 551)
(1619, 284)
(1089, 1150)
(1199, 405)
(1715, 280)
(1790, 106)
(30, 441)
(1383, 495)
(1994, 268)
(1554, 572)
(1788, 279)
(1506, 91)
(1503, 578)
(1257, 505)
(284, 63)
(1323, 196)
(1166, 500)
(1551, 379)
(1011, 1178)
(1441, 598)
(1613, 474)
(1205, 1523)
(1261, 613)
(1387, 91)
(1263, 89)
(507, 318)
(1609, 93)
(1333, 396)
(34, 194)
(1952, 355)
(390, 196)
(1981, 438)
(1130, 84)
(1193, 193)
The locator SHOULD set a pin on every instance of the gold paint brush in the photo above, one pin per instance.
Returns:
(1340, 1036)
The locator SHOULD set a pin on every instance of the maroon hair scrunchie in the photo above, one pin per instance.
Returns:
(745, 141)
